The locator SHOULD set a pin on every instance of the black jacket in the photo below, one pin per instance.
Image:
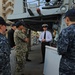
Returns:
(11, 38)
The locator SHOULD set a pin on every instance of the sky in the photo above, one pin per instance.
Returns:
(42, 2)
(33, 0)
(36, 1)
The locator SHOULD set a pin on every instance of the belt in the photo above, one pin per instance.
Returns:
(46, 42)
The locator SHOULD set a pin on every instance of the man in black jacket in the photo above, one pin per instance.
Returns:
(11, 35)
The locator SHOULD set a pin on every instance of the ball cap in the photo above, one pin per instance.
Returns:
(2, 21)
(19, 23)
(13, 24)
(70, 13)
(45, 25)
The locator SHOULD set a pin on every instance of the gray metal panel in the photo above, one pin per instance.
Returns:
(18, 7)
(52, 59)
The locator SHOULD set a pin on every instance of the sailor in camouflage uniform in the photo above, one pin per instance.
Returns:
(66, 45)
(4, 50)
(21, 41)
(24, 30)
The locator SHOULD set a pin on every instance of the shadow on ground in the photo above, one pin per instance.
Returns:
(33, 67)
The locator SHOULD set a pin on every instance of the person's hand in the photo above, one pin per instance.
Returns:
(27, 40)
(43, 40)
(14, 46)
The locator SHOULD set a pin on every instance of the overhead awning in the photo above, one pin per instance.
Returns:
(35, 23)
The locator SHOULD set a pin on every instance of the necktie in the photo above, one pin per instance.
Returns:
(44, 35)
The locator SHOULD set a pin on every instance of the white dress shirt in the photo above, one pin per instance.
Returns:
(48, 36)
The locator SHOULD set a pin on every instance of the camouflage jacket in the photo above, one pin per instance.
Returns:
(4, 53)
(66, 42)
(19, 37)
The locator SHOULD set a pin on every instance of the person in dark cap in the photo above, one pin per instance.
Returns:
(21, 42)
(11, 36)
(24, 30)
(4, 50)
(45, 39)
(66, 45)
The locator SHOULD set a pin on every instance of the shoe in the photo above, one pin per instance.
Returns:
(42, 62)
(28, 60)
(22, 74)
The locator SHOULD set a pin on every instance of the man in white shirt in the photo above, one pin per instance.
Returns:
(45, 39)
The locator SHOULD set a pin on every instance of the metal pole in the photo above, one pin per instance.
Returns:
(38, 3)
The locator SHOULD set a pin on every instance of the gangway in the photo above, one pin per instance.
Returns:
(52, 15)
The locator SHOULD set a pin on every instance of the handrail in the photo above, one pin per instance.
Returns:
(52, 48)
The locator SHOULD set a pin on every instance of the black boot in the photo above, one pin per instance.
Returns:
(28, 60)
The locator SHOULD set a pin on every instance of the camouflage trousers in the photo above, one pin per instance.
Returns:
(20, 62)
(67, 67)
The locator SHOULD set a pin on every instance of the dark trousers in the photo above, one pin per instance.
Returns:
(43, 44)
(27, 54)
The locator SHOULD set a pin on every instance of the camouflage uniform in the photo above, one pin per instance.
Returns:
(21, 49)
(66, 48)
(4, 56)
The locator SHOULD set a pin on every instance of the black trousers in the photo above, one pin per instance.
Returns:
(27, 54)
(43, 44)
